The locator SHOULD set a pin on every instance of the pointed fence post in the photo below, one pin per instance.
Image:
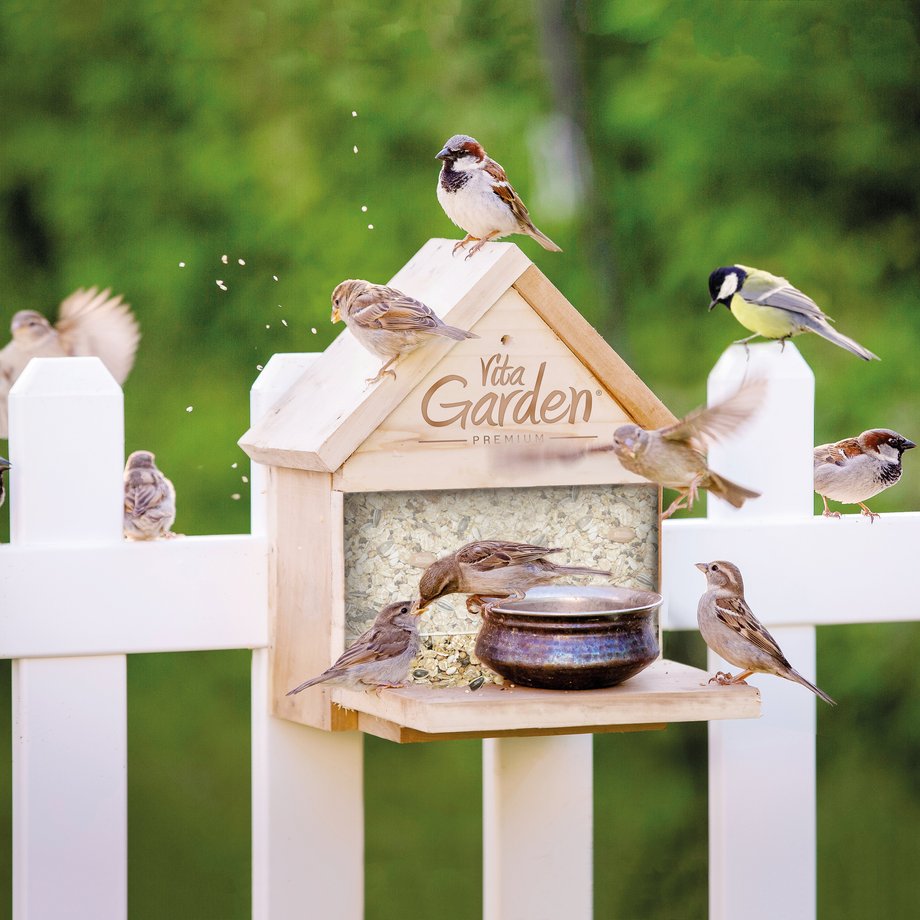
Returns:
(762, 833)
(307, 785)
(69, 714)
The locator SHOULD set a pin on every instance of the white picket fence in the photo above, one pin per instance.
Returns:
(75, 599)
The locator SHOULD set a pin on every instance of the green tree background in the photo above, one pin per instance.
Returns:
(654, 141)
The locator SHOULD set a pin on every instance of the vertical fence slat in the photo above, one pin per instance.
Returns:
(538, 800)
(70, 723)
(307, 785)
(762, 813)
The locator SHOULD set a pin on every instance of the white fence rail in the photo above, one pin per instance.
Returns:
(68, 635)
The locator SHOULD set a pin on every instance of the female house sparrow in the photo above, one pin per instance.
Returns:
(4, 466)
(387, 322)
(380, 656)
(477, 196)
(771, 307)
(731, 630)
(89, 323)
(493, 568)
(674, 457)
(150, 499)
(855, 469)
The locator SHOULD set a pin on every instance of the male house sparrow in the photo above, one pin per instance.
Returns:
(493, 568)
(731, 630)
(772, 308)
(477, 196)
(855, 469)
(4, 466)
(387, 322)
(150, 499)
(380, 656)
(89, 323)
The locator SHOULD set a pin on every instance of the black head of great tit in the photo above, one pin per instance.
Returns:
(724, 283)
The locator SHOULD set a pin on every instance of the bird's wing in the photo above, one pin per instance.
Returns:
(141, 497)
(486, 555)
(93, 323)
(376, 644)
(737, 616)
(709, 423)
(503, 188)
(10, 369)
(761, 287)
(838, 454)
(387, 308)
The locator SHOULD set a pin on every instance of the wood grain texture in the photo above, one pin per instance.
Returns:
(587, 344)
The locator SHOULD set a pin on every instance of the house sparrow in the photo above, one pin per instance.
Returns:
(150, 499)
(387, 322)
(477, 196)
(855, 469)
(731, 630)
(380, 656)
(89, 323)
(493, 568)
(4, 466)
(772, 308)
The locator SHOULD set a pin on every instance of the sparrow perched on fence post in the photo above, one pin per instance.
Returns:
(4, 466)
(477, 196)
(90, 323)
(387, 322)
(380, 656)
(853, 470)
(493, 568)
(772, 308)
(731, 630)
(150, 499)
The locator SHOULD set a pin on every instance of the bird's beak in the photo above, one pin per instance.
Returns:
(420, 607)
(336, 316)
(712, 305)
(443, 155)
(702, 566)
(907, 445)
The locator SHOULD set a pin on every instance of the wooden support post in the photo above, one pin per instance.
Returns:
(762, 772)
(537, 799)
(70, 714)
(307, 785)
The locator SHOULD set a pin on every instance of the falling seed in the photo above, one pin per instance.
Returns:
(224, 259)
(284, 322)
(241, 261)
(189, 408)
(221, 284)
(268, 325)
(370, 226)
(233, 466)
(236, 496)
(313, 330)
(274, 277)
(364, 207)
(355, 148)
(182, 265)
(477, 682)
(354, 114)
(244, 478)
(258, 367)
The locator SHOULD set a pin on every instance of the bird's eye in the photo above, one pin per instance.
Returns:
(404, 610)
(713, 568)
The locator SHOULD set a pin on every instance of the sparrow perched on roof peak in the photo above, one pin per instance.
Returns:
(853, 470)
(772, 308)
(150, 499)
(89, 323)
(731, 630)
(380, 656)
(477, 196)
(387, 322)
(493, 568)
(4, 466)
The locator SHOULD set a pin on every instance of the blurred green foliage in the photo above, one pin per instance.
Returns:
(653, 141)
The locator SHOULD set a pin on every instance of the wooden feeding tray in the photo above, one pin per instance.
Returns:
(366, 482)
(666, 691)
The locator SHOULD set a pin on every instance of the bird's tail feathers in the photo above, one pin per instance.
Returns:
(543, 239)
(844, 341)
(579, 570)
(805, 682)
(729, 491)
(309, 683)
(452, 332)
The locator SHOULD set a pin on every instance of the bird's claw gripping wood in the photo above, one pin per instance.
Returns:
(724, 679)
(872, 515)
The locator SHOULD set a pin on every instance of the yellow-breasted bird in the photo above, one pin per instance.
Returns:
(772, 308)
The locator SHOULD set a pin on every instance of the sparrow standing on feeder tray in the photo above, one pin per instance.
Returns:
(150, 499)
(89, 324)
(496, 569)
(4, 466)
(380, 656)
(477, 196)
(387, 322)
(772, 308)
(853, 470)
(731, 630)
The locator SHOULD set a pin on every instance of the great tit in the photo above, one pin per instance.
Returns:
(772, 308)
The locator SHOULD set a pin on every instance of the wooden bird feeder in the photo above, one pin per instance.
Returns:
(369, 484)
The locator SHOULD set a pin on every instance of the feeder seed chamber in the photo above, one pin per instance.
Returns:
(367, 485)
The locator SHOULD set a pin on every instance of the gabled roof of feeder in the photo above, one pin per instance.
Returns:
(343, 412)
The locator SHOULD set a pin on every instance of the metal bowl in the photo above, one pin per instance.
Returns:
(571, 638)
